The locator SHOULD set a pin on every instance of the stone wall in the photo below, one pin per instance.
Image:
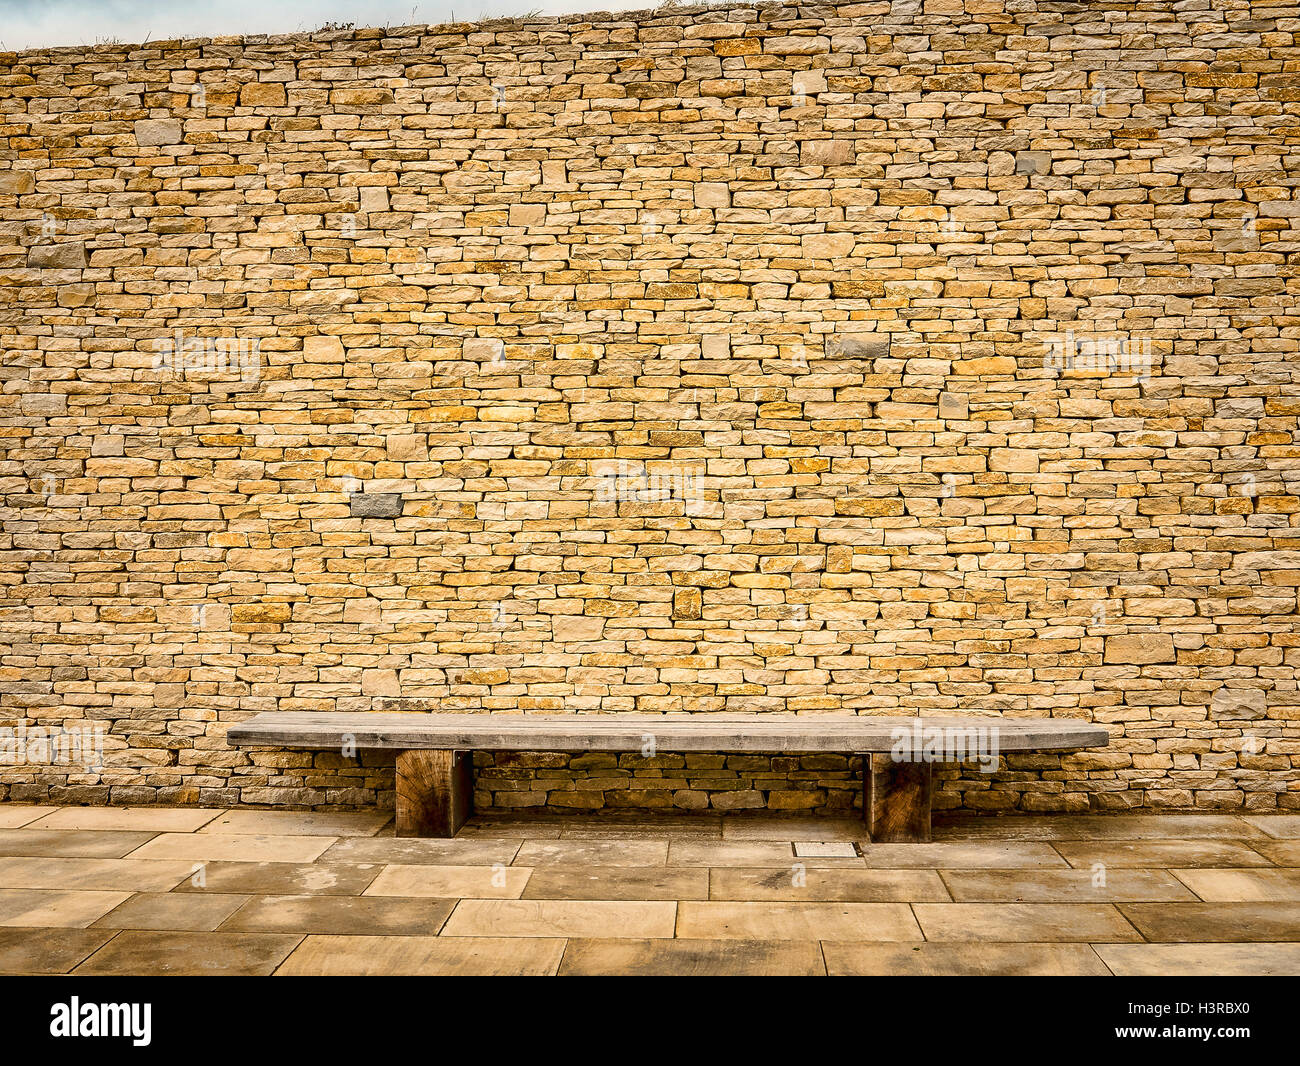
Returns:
(881, 358)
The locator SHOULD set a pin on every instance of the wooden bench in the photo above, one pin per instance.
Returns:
(434, 751)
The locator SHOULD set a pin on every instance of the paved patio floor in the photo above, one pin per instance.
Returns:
(151, 890)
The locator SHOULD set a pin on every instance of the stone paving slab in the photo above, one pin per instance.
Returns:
(47, 951)
(343, 915)
(13, 816)
(982, 856)
(413, 852)
(1284, 826)
(1162, 854)
(56, 907)
(369, 956)
(797, 921)
(71, 843)
(300, 823)
(451, 882)
(193, 912)
(1047, 922)
(1279, 852)
(654, 831)
(564, 918)
(1064, 886)
(692, 827)
(1201, 960)
(795, 829)
(141, 819)
(1097, 827)
(190, 954)
(1193, 923)
(112, 875)
(210, 847)
(938, 959)
(1243, 886)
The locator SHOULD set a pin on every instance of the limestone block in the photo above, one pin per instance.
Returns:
(1140, 648)
(69, 255)
(156, 132)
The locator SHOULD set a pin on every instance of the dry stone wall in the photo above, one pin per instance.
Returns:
(878, 358)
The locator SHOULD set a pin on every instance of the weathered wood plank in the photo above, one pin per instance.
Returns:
(434, 792)
(896, 800)
(621, 732)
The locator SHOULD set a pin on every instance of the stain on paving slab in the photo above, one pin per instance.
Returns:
(414, 956)
(692, 958)
(801, 884)
(281, 878)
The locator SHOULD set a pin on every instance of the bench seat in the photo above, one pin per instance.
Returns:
(435, 750)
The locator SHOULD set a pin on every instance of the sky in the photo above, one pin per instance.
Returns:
(53, 23)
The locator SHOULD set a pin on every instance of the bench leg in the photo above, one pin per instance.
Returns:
(434, 792)
(896, 800)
